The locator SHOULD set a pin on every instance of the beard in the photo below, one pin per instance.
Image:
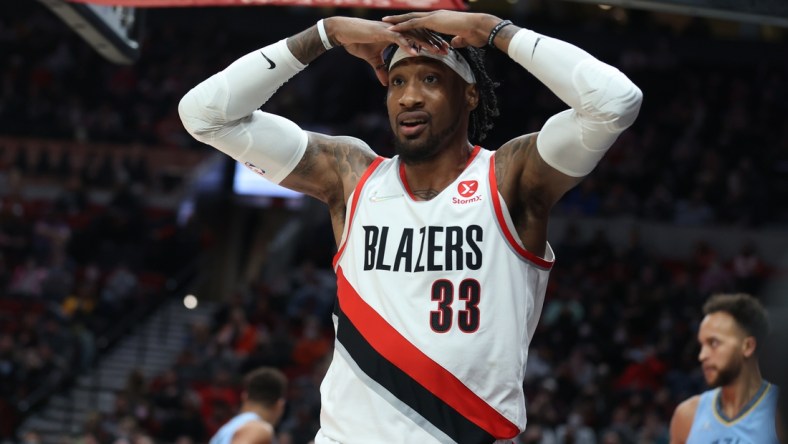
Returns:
(413, 152)
(726, 375)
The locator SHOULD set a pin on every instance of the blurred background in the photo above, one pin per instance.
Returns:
(142, 273)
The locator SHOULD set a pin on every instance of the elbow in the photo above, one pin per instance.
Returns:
(618, 108)
(607, 95)
(626, 106)
(201, 110)
(189, 111)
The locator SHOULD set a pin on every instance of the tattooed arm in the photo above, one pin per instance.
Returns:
(536, 170)
(223, 111)
(530, 188)
(329, 171)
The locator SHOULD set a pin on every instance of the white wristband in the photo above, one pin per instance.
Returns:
(321, 29)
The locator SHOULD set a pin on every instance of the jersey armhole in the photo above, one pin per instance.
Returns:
(354, 197)
(505, 225)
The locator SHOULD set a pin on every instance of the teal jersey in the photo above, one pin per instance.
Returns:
(754, 425)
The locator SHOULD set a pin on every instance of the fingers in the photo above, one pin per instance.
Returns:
(429, 40)
(403, 17)
(409, 25)
(458, 42)
(380, 71)
(382, 74)
(419, 40)
(409, 44)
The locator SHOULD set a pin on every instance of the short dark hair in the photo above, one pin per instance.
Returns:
(481, 119)
(265, 385)
(745, 309)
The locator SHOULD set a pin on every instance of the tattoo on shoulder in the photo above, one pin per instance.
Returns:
(307, 163)
(516, 148)
(352, 157)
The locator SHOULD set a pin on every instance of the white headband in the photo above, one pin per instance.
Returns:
(453, 60)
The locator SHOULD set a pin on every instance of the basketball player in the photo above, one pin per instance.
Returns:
(741, 408)
(442, 255)
(263, 405)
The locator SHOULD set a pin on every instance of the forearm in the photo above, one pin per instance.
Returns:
(603, 101)
(583, 82)
(306, 46)
(222, 111)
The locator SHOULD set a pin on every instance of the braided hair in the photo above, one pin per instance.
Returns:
(487, 109)
(481, 118)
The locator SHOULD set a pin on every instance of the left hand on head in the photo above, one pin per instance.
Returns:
(367, 39)
(469, 29)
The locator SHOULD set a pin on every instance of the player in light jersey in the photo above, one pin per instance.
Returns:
(263, 396)
(442, 256)
(742, 407)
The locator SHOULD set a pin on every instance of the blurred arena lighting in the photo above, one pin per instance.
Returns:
(108, 29)
(762, 12)
(190, 301)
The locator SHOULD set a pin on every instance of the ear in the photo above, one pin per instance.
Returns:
(280, 405)
(472, 96)
(748, 346)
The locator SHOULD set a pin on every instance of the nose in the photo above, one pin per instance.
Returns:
(412, 96)
(702, 354)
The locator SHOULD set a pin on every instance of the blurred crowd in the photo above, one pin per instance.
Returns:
(710, 145)
(615, 348)
(72, 273)
(614, 353)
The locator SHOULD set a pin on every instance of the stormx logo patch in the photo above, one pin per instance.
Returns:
(467, 191)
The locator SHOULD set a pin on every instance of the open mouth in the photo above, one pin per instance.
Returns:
(412, 123)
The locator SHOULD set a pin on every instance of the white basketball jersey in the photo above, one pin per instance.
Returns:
(437, 302)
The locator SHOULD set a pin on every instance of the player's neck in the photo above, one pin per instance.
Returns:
(737, 395)
(264, 413)
(438, 173)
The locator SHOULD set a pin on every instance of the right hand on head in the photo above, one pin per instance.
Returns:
(366, 39)
(468, 29)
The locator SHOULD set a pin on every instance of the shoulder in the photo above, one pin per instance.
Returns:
(330, 167)
(512, 159)
(515, 151)
(523, 174)
(343, 148)
(681, 423)
(254, 432)
(688, 406)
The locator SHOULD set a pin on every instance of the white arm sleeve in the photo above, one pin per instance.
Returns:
(603, 101)
(222, 111)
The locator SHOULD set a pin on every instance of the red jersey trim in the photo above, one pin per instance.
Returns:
(496, 199)
(395, 348)
(474, 152)
(356, 195)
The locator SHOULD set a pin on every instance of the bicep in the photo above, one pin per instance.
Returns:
(531, 179)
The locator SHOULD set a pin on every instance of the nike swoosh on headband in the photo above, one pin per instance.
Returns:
(271, 62)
